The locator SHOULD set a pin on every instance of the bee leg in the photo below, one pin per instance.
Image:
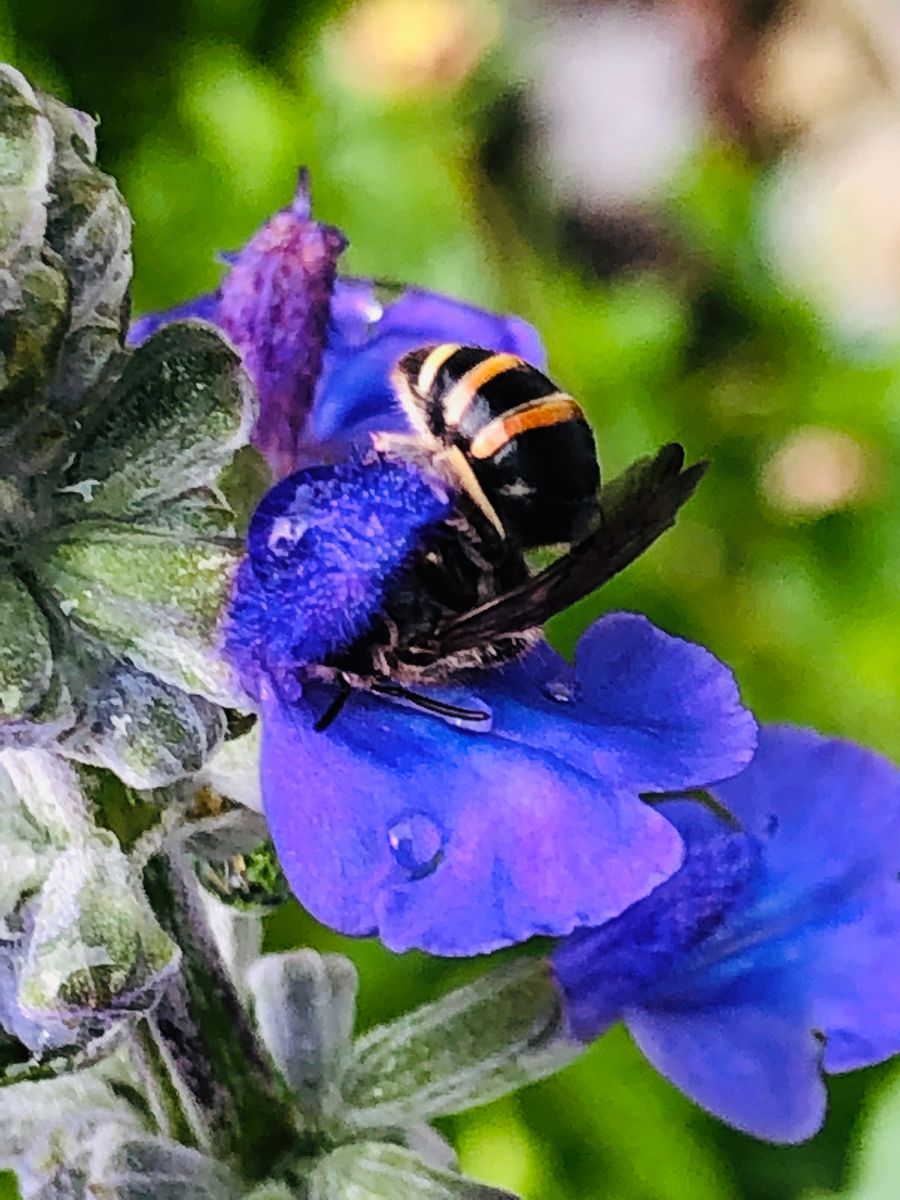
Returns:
(428, 704)
(335, 707)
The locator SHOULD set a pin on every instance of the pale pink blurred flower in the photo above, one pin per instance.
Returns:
(615, 102)
(813, 66)
(831, 224)
(398, 48)
(817, 470)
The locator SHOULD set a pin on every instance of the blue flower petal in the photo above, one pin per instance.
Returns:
(827, 810)
(644, 710)
(354, 394)
(724, 976)
(755, 1067)
(832, 857)
(639, 957)
(856, 986)
(453, 842)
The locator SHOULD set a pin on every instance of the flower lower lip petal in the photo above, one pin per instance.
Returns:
(654, 711)
(758, 1069)
(452, 842)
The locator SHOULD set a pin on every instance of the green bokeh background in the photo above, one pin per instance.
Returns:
(207, 108)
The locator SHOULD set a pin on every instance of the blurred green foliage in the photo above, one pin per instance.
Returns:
(208, 107)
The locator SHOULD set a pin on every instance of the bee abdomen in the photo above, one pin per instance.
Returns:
(526, 441)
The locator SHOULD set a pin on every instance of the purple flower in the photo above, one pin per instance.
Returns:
(456, 841)
(771, 956)
(320, 348)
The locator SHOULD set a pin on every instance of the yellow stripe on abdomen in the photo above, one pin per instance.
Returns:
(460, 396)
(536, 414)
(432, 364)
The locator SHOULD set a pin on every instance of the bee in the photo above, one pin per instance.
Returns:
(519, 457)
(520, 447)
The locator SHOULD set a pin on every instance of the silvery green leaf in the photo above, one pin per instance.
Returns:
(26, 660)
(64, 1182)
(477, 1043)
(305, 1007)
(54, 1049)
(127, 1166)
(27, 849)
(106, 1154)
(51, 791)
(199, 513)
(55, 713)
(155, 600)
(57, 1166)
(381, 1171)
(424, 1140)
(21, 1037)
(182, 407)
(35, 309)
(233, 771)
(34, 292)
(273, 1190)
(42, 810)
(244, 482)
(238, 937)
(26, 151)
(76, 1103)
(95, 948)
(147, 732)
(89, 226)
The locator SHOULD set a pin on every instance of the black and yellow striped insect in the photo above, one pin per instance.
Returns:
(519, 446)
(520, 456)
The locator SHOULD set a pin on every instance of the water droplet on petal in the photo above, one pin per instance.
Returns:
(417, 844)
(561, 691)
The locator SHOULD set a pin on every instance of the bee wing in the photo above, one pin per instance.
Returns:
(636, 509)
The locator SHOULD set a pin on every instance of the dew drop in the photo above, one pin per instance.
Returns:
(560, 691)
(417, 844)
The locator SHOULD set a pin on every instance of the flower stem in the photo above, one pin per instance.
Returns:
(166, 1102)
(230, 1095)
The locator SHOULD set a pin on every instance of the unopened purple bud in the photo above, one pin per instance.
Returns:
(274, 305)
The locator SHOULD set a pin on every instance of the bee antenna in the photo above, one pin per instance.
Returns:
(440, 708)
